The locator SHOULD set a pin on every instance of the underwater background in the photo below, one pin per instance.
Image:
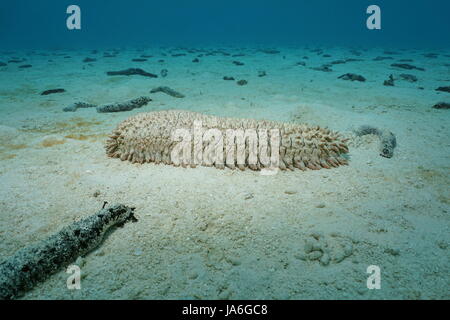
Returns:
(32, 24)
(204, 233)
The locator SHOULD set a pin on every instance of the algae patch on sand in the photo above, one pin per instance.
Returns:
(75, 125)
(6, 148)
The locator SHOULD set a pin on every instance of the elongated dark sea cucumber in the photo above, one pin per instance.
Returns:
(132, 71)
(52, 91)
(168, 91)
(124, 106)
(78, 105)
(147, 137)
(388, 142)
(35, 263)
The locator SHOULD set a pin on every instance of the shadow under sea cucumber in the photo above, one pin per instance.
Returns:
(147, 137)
(388, 142)
(35, 263)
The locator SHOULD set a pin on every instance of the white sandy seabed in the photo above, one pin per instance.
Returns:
(219, 234)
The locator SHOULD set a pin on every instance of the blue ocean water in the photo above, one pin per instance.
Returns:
(29, 23)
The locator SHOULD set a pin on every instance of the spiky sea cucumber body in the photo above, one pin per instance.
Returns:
(147, 137)
(35, 263)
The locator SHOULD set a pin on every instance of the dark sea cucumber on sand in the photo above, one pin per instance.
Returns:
(262, 73)
(242, 82)
(408, 77)
(270, 51)
(52, 91)
(139, 60)
(442, 105)
(338, 62)
(168, 91)
(388, 142)
(382, 58)
(228, 78)
(78, 105)
(323, 68)
(124, 106)
(89, 60)
(389, 82)
(352, 77)
(131, 72)
(353, 60)
(2, 64)
(406, 66)
(25, 66)
(238, 63)
(444, 89)
(430, 55)
(36, 263)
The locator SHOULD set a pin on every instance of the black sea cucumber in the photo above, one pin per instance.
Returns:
(37, 262)
(442, 105)
(130, 72)
(52, 91)
(168, 91)
(352, 77)
(406, 66)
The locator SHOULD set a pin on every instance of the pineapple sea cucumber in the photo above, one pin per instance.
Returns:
(148, 137)
(35, 263)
